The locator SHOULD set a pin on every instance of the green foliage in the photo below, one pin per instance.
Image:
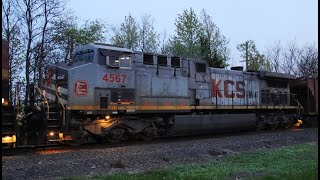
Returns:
(186, 41)
(211, 55)
(127, 35)
(283, 163)
(68, 35)
(199, 39)
(92, 31)
(136, 35)
(255, 60)
(214, 46)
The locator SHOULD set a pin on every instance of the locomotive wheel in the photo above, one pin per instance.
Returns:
(76, 142)
(148, 133)
(144, 137)
(13, 145)
(281, 121)
(116, 135)
(147, 138)
(289, 122)
(78, 139)
(260, 123)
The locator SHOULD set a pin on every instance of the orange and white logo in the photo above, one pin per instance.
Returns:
(80, 88)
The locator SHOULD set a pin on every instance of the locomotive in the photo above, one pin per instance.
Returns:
(112, 93)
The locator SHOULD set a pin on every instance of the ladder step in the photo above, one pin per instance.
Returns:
(53, 119)
(54, 126)
(8, 124)
(8, 131)
(53, 112)
(53, 108)
(8, 114)
(53, 115)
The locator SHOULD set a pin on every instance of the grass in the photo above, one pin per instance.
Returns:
(291, 162)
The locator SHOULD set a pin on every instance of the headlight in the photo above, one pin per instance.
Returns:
(5, 102)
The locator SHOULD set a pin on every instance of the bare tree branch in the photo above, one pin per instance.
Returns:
(274, 56)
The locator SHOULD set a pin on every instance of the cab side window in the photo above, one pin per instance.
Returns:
(113, 61)
(125, 62)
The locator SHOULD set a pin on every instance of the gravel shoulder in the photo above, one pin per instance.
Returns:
(54, 164)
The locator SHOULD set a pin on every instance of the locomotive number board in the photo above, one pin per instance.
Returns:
(114, 78)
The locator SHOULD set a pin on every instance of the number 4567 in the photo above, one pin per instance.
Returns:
(118, 78)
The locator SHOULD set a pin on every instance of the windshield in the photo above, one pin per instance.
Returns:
(86, 57)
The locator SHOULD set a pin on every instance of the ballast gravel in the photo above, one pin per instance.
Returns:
(139, 157)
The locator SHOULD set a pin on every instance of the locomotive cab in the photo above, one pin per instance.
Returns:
(98, 81)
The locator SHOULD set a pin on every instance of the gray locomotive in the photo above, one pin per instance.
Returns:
(112, 93)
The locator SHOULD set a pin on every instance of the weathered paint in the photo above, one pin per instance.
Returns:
(154, 87)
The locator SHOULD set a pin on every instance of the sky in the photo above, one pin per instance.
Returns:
(263, 21)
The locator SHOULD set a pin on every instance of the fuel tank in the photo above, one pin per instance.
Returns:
(197, 124)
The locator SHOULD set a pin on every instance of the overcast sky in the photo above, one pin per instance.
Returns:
(264, 21)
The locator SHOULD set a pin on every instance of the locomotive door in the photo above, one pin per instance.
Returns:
(102, 97)
(202, 80)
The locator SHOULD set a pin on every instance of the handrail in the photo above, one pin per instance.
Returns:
(63, 112)
(299, 105)
(45, 101)
(254, 96)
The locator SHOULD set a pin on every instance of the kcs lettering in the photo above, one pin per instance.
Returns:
(216, 92)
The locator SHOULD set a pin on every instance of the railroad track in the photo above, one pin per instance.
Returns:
(60, 148)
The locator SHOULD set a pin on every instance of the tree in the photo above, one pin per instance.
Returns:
(308, 64)
(186, 42)
(36, 33)
(37, 18)
(275, 56)
(148, 37)
(52, 9)
(11, 33)
(214, 46)
(91, 31)
(164, 46)
(30, 13)
(254, 60)
(67, 35)
(127, 34)
(259, 63)
(199, 39)
(291, 57)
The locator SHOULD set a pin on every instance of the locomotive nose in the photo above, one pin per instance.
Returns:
(56, 84)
